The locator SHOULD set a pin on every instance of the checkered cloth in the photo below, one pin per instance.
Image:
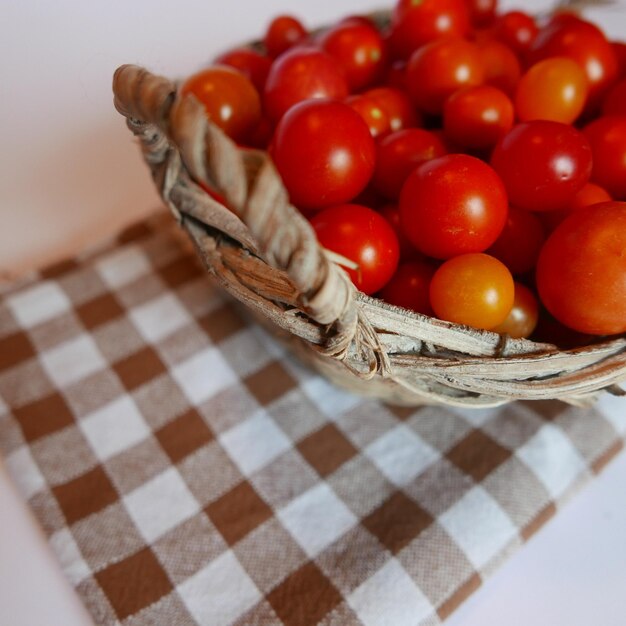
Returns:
(187, 471)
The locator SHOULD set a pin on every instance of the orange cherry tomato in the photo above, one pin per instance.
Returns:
(522, 320)
(473, 289)
(587, 45)
(554, 89)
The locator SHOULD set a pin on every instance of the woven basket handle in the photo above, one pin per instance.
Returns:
(178, 140)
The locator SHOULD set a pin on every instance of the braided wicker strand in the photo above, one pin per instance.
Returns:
(268, 258)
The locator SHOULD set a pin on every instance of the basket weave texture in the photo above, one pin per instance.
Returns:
(263, 252)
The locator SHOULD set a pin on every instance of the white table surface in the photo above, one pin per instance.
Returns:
(70, 174)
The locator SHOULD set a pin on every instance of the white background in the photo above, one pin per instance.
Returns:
(71, 174)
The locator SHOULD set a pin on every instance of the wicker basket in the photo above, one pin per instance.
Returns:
(267, 257)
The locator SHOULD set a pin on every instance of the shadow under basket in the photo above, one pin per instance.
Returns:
(265, 253)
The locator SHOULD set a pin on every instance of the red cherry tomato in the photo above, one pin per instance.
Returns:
(362, 20)
(363, 237)
(501, 65)
(229, 98)
(399, 154)
(619, 49)
(359, 50)
(482, 12)
(324, 152)
(440, 68)
(372, 113)
(477, 117)
(283, 32)
(520, 241)
(261, 135)
(549, 330)
(453, 205)
(397, 105)
(615, 100)
(522, 320)
(582, 268)
(396, 75)
(409, 287)
(414, 24)
(302, 74)
(517, 30)
(607, 136)
(472, 289)
(553, 89)
(408, 252)
(250, 63)
(584, 43)
(543, 164)
(589, 195)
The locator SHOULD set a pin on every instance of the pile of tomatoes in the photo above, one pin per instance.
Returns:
(465, 163)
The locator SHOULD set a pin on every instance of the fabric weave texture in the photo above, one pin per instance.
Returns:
(187, 470)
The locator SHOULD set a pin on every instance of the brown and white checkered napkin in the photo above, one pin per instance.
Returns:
(188, 471)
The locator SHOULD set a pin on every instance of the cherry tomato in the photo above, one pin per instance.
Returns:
(440, 68)
(302, 74)
(482, 12)
(615, 100)
(397, 105)
(409, 287)
(589, 195)
(477, 117)
(408, 252)
(517, 30)
(543, 164)
(584, 43)
(619, 49)
(261, 135)
(520, 241)
(372, 113)
(362, 20)
(363, 237)
(324, 152)
(396, 75)
(229, 98)
(283, 32)
(399, 154)
(607, 136)
(522, 320)
(581, 270)
(453, 205)
(501, 65)
(553, 89)
(549, 330)
(250, 63)
(414, 24)
(472, 289)
(359, 50)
